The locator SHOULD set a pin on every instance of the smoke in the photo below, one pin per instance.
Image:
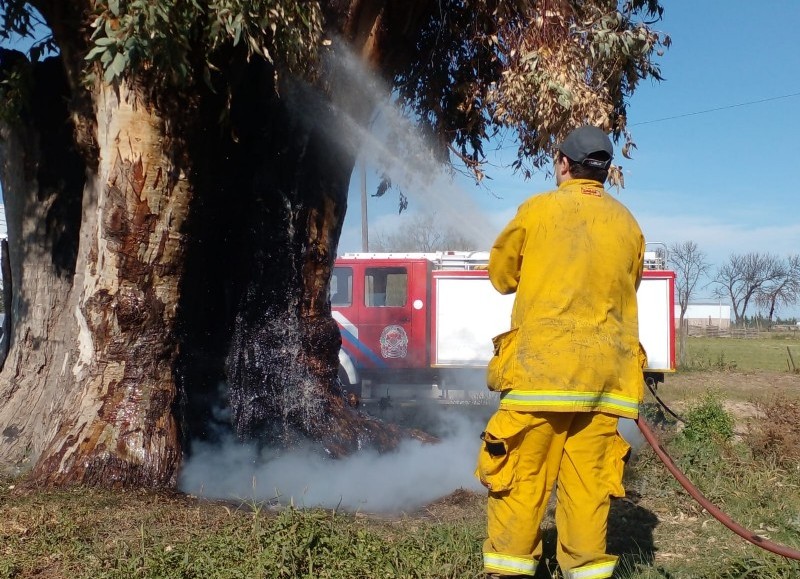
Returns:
(413, 475)
(630, 432)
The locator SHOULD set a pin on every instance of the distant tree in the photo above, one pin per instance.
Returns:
(784, 290)
(423, 233)
(744, 276)
(690, 265)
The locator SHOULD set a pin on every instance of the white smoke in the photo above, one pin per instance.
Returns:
(630, 432)
(413, 475)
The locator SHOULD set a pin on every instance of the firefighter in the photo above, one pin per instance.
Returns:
(570, 366)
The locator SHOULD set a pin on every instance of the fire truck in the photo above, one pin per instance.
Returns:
(420, 325)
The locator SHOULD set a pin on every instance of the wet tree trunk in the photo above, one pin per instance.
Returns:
(109, 286)
(283, 360)
(270, 230)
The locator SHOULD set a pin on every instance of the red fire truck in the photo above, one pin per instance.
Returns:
(420, 325)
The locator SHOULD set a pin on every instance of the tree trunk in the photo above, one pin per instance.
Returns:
(43, 179)
(98, 256)
(119, 427)
(282, 366)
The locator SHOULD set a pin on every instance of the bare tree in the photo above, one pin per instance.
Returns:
(744, 276)
(690, 265)
(785, 290)
(423, 233)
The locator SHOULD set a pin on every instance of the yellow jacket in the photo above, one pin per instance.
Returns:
(574, 257)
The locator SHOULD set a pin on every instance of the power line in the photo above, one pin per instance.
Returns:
(748, 103)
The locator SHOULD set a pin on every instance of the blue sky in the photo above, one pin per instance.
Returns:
(725, 179)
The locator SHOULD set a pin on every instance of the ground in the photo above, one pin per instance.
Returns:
(657, 529)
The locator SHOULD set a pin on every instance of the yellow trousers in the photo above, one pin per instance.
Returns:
(524, 454)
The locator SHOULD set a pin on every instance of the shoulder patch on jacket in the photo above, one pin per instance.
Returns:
(594, 191)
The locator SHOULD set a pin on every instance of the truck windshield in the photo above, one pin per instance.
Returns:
(385, 286)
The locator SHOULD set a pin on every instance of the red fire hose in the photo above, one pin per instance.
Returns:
(695, 493)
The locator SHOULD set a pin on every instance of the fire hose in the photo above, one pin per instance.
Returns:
(712, 509)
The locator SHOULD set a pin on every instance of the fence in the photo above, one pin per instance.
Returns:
(730, 332)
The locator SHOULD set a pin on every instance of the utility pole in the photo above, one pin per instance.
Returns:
(364, 226)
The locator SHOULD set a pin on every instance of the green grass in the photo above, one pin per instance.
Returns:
(763, 353)
(658, 530)
(102, 534)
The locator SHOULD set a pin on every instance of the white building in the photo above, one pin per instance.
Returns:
(705, 315)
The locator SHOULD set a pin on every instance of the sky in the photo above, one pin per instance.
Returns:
(717, 143)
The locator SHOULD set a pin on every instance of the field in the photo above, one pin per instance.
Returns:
(771, 352)
(739, 442)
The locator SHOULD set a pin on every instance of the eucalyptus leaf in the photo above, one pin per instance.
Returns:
(94, 52)
(119, 63)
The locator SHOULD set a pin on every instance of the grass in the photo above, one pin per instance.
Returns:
(763, 353)
(105, 534)
(750, 467)
(657, 530)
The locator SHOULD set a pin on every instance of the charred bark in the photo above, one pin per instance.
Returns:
(269, 213)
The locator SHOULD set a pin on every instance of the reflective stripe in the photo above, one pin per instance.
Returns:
(594, 571)
(508, 563)
(567, 398)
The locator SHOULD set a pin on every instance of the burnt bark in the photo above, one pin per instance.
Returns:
(263, 241)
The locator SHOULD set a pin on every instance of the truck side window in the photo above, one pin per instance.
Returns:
(385, 286)
(342, 286)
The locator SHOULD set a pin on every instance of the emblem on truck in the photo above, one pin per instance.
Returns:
(394, 342)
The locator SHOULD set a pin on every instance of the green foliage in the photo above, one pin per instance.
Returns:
(169, 37)
(535, 69)
(708, 421)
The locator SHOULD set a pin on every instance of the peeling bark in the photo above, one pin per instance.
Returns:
(119, 429)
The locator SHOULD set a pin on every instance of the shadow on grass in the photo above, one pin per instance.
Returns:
(630, 537)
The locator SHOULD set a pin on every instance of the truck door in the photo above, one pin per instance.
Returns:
(391, 322)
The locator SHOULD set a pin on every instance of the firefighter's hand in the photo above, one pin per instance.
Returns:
(483, 267)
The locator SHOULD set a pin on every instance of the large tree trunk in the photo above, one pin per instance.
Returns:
(98, 250)
(119, 427)
(96, 255)
(265, 236)
(271, 203)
